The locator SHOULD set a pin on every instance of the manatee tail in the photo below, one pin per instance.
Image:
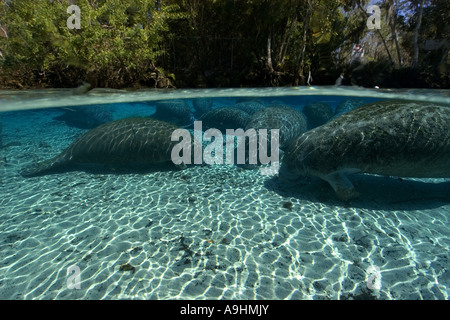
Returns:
(44, 167)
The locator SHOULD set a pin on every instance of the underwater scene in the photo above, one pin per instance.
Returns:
(342, 194)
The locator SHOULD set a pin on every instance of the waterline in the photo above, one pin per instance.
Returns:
(11, 100)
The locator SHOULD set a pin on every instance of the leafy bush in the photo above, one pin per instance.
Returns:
(117, 45)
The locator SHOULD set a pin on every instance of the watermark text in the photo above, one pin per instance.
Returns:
(258, 147)
(374, 21)
(74, 21)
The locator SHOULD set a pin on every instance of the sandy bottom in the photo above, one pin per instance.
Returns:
(210, 232)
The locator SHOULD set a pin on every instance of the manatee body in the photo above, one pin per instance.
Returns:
(177, 112)
(85, 117)
(291, 123)
(202, 106)
(249, 106)
(317, 113)
(391, 138)
(225, 118)
(125, 142)
(347, 105)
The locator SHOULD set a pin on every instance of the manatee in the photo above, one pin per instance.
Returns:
(175, 111)
(250, 99)
(249, 106)
(225, 118)
(202, 106)
(125, 142)
(347, 105)
(289, 121)
(390, 138)
(317, 114)
(85, 117)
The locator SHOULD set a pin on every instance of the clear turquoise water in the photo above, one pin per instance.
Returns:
(208, 232)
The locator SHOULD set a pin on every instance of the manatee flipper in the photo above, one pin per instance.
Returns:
(342, 185)
(44, 166)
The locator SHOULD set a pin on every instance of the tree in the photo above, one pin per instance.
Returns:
(415, 61)
(223, 43)
(392, 17)
(117, 45)
(269, 42)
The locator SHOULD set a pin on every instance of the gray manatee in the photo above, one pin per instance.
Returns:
(291, 122)
(177, 112)
(249, 106)
(225, 118)
(347, 105)
(391, 138)
(202, 106)
(125, 142)
(317, 113)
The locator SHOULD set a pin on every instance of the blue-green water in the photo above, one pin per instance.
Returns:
(208, 231)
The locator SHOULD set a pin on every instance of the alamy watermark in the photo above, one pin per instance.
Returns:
(374, 21)
(374, 280)
(74, 278)
(74, 21)
(213, 153)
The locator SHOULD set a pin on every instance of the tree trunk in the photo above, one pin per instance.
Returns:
(379, 34)
(306, 22)
(287, 37)
(415, 62)
(269, 54)
(3, 32)
(444, 56)
(391, 19)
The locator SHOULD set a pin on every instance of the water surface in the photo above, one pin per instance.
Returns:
(208, 232)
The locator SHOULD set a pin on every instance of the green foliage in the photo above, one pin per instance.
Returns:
(230, 39)
(221, 43)
(118, 42)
